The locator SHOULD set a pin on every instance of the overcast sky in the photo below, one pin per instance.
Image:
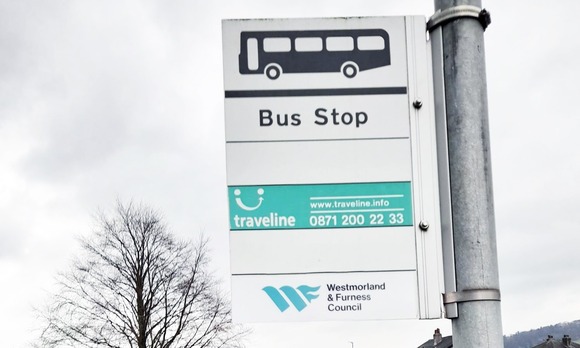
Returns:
(101, 100)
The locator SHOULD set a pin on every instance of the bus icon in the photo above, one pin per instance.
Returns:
(313, 51)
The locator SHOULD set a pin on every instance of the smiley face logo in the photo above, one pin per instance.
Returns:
(240, 203)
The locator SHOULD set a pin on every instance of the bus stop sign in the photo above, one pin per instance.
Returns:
(331, 169)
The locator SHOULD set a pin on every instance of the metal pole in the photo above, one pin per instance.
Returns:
(478, 321)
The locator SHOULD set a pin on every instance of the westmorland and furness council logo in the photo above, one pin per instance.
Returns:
(299, 297)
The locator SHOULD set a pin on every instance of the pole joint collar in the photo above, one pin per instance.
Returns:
(471, 296)
(442, 17)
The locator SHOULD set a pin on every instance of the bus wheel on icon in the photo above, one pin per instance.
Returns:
(273, 71)
(349, 69)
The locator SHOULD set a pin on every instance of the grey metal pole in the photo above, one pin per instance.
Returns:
(478, 321)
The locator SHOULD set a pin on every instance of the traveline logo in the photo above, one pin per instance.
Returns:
(297, 297)
(252, 211)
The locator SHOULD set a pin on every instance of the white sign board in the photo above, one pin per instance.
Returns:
(331, 169)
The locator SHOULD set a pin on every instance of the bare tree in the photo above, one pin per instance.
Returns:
(137, 287)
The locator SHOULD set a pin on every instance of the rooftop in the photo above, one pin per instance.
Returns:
(438, 341)
(550, 342)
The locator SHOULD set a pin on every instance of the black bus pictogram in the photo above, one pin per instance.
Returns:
(313, 51)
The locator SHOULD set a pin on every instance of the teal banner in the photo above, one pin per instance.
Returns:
(275, 207)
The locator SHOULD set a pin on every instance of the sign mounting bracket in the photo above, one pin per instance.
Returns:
(442, 17)
(471, 296)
